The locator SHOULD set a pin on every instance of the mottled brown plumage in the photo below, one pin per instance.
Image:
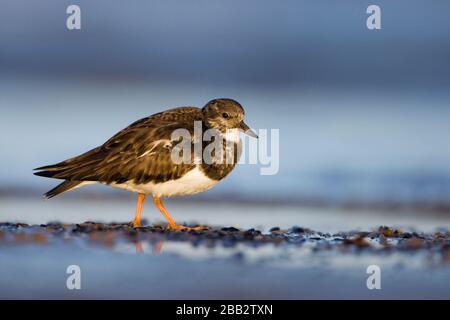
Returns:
(138, 158)
(122, 157)
(125, 156)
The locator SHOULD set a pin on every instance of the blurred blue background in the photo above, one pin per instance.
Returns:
(364, 116)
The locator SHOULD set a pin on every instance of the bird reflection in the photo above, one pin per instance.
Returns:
(138, 246)
(156, 247)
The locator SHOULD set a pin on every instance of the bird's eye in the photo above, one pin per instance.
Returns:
(225, 115)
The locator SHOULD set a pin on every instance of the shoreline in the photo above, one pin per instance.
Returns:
(118, 261)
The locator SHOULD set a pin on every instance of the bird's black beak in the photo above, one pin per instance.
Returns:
(246, 129)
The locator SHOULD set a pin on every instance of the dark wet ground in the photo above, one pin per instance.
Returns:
(384, 238)
(222, 262)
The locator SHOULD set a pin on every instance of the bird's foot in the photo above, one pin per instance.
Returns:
(177, 227)
(134, 224)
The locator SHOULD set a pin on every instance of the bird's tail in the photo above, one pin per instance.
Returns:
(55, 170)
(62, 187)
(76, 171)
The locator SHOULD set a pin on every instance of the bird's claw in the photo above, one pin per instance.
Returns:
(134, 224)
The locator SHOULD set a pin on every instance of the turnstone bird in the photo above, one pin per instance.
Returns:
(140, 157)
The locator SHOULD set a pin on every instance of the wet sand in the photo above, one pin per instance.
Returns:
(118, 261)
(251, 251)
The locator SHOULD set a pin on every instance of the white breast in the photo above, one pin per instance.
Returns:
(232, 135)
(192, 182)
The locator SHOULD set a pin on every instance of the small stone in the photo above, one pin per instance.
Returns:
(229, 229)
(357, 241)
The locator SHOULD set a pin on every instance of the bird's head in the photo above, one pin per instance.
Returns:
(225, 114)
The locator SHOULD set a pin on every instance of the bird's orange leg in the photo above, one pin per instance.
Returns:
(139, 203)
(172, 224)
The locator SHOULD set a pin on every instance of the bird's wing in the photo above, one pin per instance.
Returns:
(142, 152)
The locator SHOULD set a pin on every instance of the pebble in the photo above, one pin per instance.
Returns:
(106, 234)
